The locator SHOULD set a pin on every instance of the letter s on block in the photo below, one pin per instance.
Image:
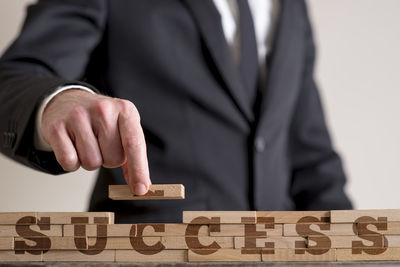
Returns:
(192, 236)
(43, 242)
(303, 228)
(378, 240)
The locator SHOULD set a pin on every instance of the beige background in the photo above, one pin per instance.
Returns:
(358, 72)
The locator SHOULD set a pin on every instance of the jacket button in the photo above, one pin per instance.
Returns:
(259, 144)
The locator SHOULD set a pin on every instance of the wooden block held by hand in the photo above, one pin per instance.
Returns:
(156, 191)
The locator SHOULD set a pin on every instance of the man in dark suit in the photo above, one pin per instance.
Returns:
(237, 135)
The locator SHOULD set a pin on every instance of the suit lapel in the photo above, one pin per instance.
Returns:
(208, 21)
(283, 76)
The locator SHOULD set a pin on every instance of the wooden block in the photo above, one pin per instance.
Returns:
(170, 229)
(389, 254)
(381, 227)
(392, 240)
(220, 255)
(14, 217)
(180, 242)
(342, 241)
(78, 217)
(287, 255)
(11, 230)
(219, 217)
(113, 230)
(279, 241)
(6, 243)
(152, 256)
(156, 191)
(292, 216)
(10, 256)
(344, 216)
(76, 255)
(56, 243)
(324, 228)
(125, 242)
(239, 230)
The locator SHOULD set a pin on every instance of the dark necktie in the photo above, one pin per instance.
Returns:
(249, 67)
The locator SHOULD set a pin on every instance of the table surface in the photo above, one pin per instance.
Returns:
(184, 264)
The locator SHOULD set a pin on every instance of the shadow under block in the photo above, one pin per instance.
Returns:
(389, 254)
(220, 255)
(293, 216)
(24, 230)
(151, 256)
(345, 216)
(323, 228)
(76, 255)
(156, 191)
(292, 255)
(219, 217)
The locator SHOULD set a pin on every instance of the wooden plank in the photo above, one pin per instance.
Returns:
(334, 229)
(156, 191)
(390, 254)
(279, 241)
(219, 217)
(170, 229)
(345, 241)
(290, 255)
(80, 217)
(10, 230)
(292, 216)
(221, 255)
(152, 256)
(113, 230)
(180, 242)
(76, 255)
(383, 227)
(239, 230)
(142, 243)
(392, 240)
(6, 243)
(39, 243)
(14, 217)
(350, 216)
(10, 256)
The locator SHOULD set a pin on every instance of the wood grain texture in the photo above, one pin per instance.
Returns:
(279, 241)
(324, 228)
(75, 255)
(344, 216)
(180, 242)
(113, 230)
(221, 255)
(346, 254)
(66, 217)
(10, 256)
(10, 230)
(163, 256)
(288, 255)
(14, 217)
(239, 230)
(293, 216)
(6, 243)
(156, 191)
(219, 217)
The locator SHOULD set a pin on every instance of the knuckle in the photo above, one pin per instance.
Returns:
(129, 109)
(78, 113)
(68, 161)
(115, 161)
(91, 163)
(103, 108)
(55, 128)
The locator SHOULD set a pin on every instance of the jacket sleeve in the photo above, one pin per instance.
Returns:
(318, 178)
(52, 50)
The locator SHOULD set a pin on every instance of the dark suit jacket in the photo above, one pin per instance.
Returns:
(171, 60)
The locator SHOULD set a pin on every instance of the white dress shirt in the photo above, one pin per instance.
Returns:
(264, 13)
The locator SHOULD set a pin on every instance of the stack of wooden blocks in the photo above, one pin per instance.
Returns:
(204, 236)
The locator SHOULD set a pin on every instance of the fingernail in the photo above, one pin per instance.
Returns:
(140, 189)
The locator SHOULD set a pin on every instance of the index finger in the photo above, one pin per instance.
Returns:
(133, 141)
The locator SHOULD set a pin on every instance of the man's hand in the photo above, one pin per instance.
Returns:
(91, 130)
